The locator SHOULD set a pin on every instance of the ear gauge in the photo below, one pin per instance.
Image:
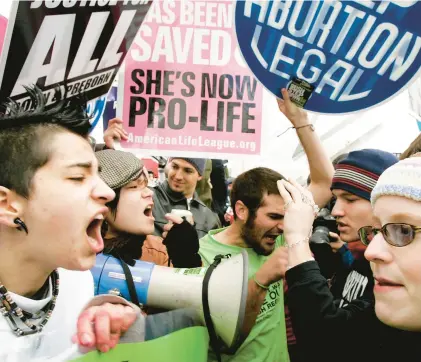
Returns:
(22, 225)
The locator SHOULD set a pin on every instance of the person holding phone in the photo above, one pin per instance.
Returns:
(179, 192)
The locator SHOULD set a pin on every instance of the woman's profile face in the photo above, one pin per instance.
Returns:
(397, 270)
(134, 209)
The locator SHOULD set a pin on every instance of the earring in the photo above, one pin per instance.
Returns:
(22, 225)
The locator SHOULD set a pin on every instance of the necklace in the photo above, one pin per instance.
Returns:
(9, 309)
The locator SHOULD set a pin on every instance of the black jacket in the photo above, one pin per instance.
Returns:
(353, 283)
(166, 199)
(327, 333)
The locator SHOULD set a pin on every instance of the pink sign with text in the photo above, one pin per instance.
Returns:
(185, 85)
(3, 27)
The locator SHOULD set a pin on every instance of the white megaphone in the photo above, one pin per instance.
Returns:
(174, 288)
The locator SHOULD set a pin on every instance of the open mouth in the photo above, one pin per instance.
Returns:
(271, 237)
(148, 211)
(93, 232)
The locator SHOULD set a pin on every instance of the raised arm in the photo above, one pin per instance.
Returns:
(321, 168)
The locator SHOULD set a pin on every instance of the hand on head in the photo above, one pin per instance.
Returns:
(300, 210)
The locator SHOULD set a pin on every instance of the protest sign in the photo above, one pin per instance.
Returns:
(78, 43)
(185, 87)
(3, 26)
(110, 111)
(95, 109)
(353, 54)
(102, 110)
(186, 345)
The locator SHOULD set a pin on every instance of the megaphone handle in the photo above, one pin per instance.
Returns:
(213, 338)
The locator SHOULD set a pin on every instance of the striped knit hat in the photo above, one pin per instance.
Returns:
(360, 170)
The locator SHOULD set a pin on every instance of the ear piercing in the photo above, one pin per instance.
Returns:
(22, 225)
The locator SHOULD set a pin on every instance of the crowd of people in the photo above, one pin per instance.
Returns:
(63, 201)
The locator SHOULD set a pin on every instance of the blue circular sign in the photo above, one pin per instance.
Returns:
(333, 56)
(95, 109)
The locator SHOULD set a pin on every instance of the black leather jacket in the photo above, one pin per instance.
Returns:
(166, 199)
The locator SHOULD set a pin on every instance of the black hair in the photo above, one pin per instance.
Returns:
(25, 135)
(252, 186)
(113, 204)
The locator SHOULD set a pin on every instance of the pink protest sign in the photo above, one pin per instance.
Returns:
(185, 85)
(3, 27)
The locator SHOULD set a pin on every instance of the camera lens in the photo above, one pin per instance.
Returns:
(320, 235)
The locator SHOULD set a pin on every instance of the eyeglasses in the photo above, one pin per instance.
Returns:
(394, 233)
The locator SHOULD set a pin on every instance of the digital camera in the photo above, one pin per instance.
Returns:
(323, 224)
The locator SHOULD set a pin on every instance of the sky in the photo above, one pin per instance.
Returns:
(5, 7)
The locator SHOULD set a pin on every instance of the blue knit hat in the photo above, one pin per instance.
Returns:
(198, 163)
(359, 171)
